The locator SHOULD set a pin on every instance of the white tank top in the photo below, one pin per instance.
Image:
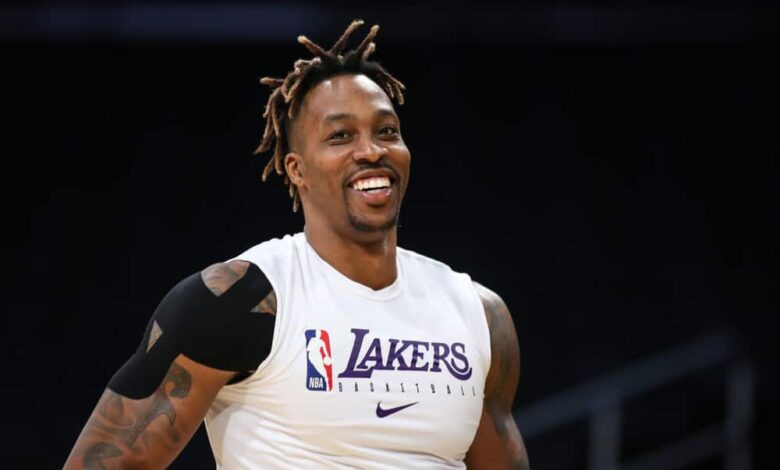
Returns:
(358, 378)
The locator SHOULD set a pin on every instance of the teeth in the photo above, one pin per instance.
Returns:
(372, 183)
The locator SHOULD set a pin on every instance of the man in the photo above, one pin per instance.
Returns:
(332, 347)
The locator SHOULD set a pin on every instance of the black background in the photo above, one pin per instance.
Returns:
(621, 195)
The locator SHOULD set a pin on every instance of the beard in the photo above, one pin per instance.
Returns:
(362, 225)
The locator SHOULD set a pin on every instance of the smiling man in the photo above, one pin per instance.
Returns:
(333, 347)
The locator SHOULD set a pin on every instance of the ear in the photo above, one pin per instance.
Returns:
(294, 166)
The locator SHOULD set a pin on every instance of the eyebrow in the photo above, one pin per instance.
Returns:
(344, 116)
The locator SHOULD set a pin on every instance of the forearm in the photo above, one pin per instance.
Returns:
(150, 432)
(145, 433)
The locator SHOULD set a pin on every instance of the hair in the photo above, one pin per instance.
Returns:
(288, 93)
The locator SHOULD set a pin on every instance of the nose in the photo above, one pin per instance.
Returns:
(368, 150)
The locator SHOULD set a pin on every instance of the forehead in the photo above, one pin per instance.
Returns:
(349, 94)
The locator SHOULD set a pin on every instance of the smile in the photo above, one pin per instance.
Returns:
(371, 184)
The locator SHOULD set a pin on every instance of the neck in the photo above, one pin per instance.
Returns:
(370, 262)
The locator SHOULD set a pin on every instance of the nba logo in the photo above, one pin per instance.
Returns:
(319, 363)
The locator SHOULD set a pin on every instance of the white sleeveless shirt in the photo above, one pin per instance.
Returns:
(356, 377)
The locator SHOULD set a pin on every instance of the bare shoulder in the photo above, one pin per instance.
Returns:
(219, 277)
(493, 303)
(496, 311)
(504, 346)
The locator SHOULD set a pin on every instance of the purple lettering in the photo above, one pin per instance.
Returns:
(395, 355)
(417, 355)
(374, 354)
(452, 356)
(350, 371)
(463, 372)
(440, 353)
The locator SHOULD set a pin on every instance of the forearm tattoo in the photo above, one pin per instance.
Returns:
(120, 427)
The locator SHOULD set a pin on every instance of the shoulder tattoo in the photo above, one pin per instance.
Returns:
(504, 347)
(209, 318)
(220, 276)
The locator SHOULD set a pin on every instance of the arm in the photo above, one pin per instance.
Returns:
(498, 444)
(150, 432)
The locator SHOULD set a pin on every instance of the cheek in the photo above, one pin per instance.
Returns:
(400, 151)
(406, 159)
(326, 172)
(402, 159)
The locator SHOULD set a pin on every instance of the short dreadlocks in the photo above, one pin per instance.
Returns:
(288, 92)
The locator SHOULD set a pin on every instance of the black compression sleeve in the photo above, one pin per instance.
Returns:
(217, 331)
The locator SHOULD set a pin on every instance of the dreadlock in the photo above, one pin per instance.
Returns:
(288, 92)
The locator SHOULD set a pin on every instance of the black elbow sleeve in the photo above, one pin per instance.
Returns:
(217, 331)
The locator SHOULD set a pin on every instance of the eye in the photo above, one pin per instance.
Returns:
(338, 135)
(388, 130)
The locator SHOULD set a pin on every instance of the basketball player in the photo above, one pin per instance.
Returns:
(333, 347)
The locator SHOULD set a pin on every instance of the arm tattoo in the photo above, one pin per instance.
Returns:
(503, 377)
(219, 277)
(505, 355)
(120, 426)
(267, 305)
(94, 455)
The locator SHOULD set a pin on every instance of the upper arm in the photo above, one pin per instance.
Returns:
(157, 400)
(498, 443)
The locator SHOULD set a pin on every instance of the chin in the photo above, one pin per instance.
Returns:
(373, 224)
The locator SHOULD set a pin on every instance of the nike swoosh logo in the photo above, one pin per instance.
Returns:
(384, 412)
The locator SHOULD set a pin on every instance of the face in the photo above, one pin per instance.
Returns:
(348, 159)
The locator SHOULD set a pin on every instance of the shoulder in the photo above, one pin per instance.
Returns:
(423, 261)
(424, 275)
(274, 250)
(427, 270)
(232, 285)
(499, 319)
(277, 258)
(219, 277)
(495, 308)
(504, 371)
(207, 318)
(504, 346)
(256, 289)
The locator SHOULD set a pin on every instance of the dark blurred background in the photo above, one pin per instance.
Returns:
(610, 168)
